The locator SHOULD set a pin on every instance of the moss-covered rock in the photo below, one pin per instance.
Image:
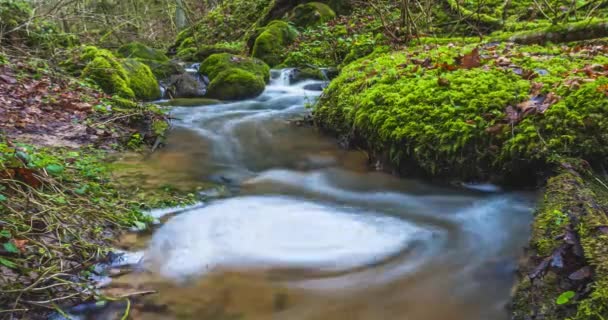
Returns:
(128, 78)
(568, 251)
(270, 45)
(107, 72)
(311, 14)
(159, 63)
(218, 63)
(141, 80)
(141, 51)
(422, 110)
(236, 84)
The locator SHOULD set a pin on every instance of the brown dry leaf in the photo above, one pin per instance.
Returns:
(503, 62)
(527, 107)
(536, 89)
(446, 67)
(20, 244)
(28, 176)
(443, 82)
(603, 89)
(471, 60)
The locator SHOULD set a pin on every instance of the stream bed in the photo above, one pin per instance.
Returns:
(310, 232)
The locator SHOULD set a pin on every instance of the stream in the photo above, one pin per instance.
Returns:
(310, 232)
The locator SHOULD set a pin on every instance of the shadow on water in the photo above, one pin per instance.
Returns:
(312, 233)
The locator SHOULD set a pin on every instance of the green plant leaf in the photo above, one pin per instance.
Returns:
(82, 190)
(10, 247)
(7, 263)
(5, 234)
(54, 169)
(565, 297)
(140, 225)
(2, 198)
(24, 156)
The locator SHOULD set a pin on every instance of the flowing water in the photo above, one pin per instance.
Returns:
(310, 232)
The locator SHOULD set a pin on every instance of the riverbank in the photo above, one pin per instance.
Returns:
(62, 203)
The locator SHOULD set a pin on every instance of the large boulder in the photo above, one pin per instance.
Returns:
(105, 70)
(127, 78)
(272, 42)
(185, 85)
(311, 14)
(159, 63)
(220, 62)
(234, 77)
(141, 80)
(236, 84)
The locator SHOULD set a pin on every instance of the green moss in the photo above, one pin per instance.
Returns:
(217, 63)
(141, 51)
(309, 73)
(311, 14)
(236, 84)
(127, 78)
(109, 75)
(141, 80)
(455, 123)
(572, 203)
(270, 45)
(190, 102)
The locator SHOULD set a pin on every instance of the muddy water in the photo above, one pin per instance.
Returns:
(309, 232)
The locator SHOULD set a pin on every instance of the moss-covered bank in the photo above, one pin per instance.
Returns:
(472, 112)
(565, 275)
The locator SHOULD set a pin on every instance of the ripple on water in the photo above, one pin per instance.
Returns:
(274, 231)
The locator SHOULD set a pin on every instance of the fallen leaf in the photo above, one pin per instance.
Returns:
(470, 60)
(20, 244)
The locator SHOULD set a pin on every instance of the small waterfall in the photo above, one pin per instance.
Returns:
(283, 77)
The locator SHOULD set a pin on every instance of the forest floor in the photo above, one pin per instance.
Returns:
(62, 207)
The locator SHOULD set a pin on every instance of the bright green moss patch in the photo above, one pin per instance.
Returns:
(127, 78)
(107, 72)
(421, 109)
(236, 84)
(141, 80)
(270, 45)
(234, 77)
(218, 63)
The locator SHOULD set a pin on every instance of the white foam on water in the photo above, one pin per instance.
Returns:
(275, 231)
